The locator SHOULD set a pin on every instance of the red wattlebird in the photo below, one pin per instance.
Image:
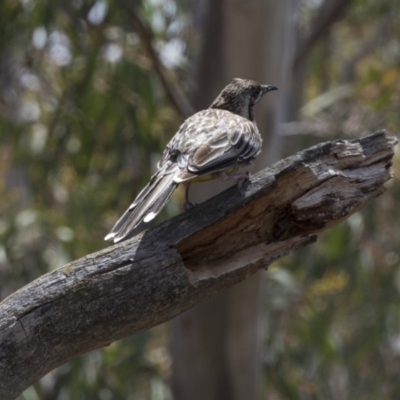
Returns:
(218, 143)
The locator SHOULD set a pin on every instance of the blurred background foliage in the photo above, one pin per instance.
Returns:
(90, 92)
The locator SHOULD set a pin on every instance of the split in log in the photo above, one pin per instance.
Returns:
(163, 271)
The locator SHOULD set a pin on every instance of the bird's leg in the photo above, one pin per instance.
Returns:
(237, 177)
(187, 205)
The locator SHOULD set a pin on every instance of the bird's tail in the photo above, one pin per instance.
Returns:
(146, 206)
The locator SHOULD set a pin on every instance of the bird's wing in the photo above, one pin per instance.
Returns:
(231, 144)
(213, 140)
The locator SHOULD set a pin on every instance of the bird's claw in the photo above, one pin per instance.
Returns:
(187, 205)
(241, 183)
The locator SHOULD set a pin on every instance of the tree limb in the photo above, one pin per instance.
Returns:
(163, 271)
(329, 12)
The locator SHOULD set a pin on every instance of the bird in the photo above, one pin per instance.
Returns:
(220, 142)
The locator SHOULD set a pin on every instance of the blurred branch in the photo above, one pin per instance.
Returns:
(378, 39)
(176, 97)
(163, 271)
(329, 12)
(326, 100)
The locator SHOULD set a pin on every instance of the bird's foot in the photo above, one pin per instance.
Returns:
(187, 205)
(241, 180)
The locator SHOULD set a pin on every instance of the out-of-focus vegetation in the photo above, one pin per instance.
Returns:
(83, 118)
(333, 310)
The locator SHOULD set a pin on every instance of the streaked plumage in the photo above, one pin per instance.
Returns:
(212, 144)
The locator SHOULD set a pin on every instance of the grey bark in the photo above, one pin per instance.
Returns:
(163, 271)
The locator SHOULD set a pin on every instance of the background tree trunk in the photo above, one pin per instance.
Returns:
(216, 346)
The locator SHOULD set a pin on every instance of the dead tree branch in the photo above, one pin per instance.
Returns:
(151, 278)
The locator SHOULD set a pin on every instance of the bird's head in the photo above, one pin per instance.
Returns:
(240, 96)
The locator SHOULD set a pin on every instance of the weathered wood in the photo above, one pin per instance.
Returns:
(163, 271)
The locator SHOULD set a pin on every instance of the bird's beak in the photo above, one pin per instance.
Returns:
(268, 88)
(264, 89)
